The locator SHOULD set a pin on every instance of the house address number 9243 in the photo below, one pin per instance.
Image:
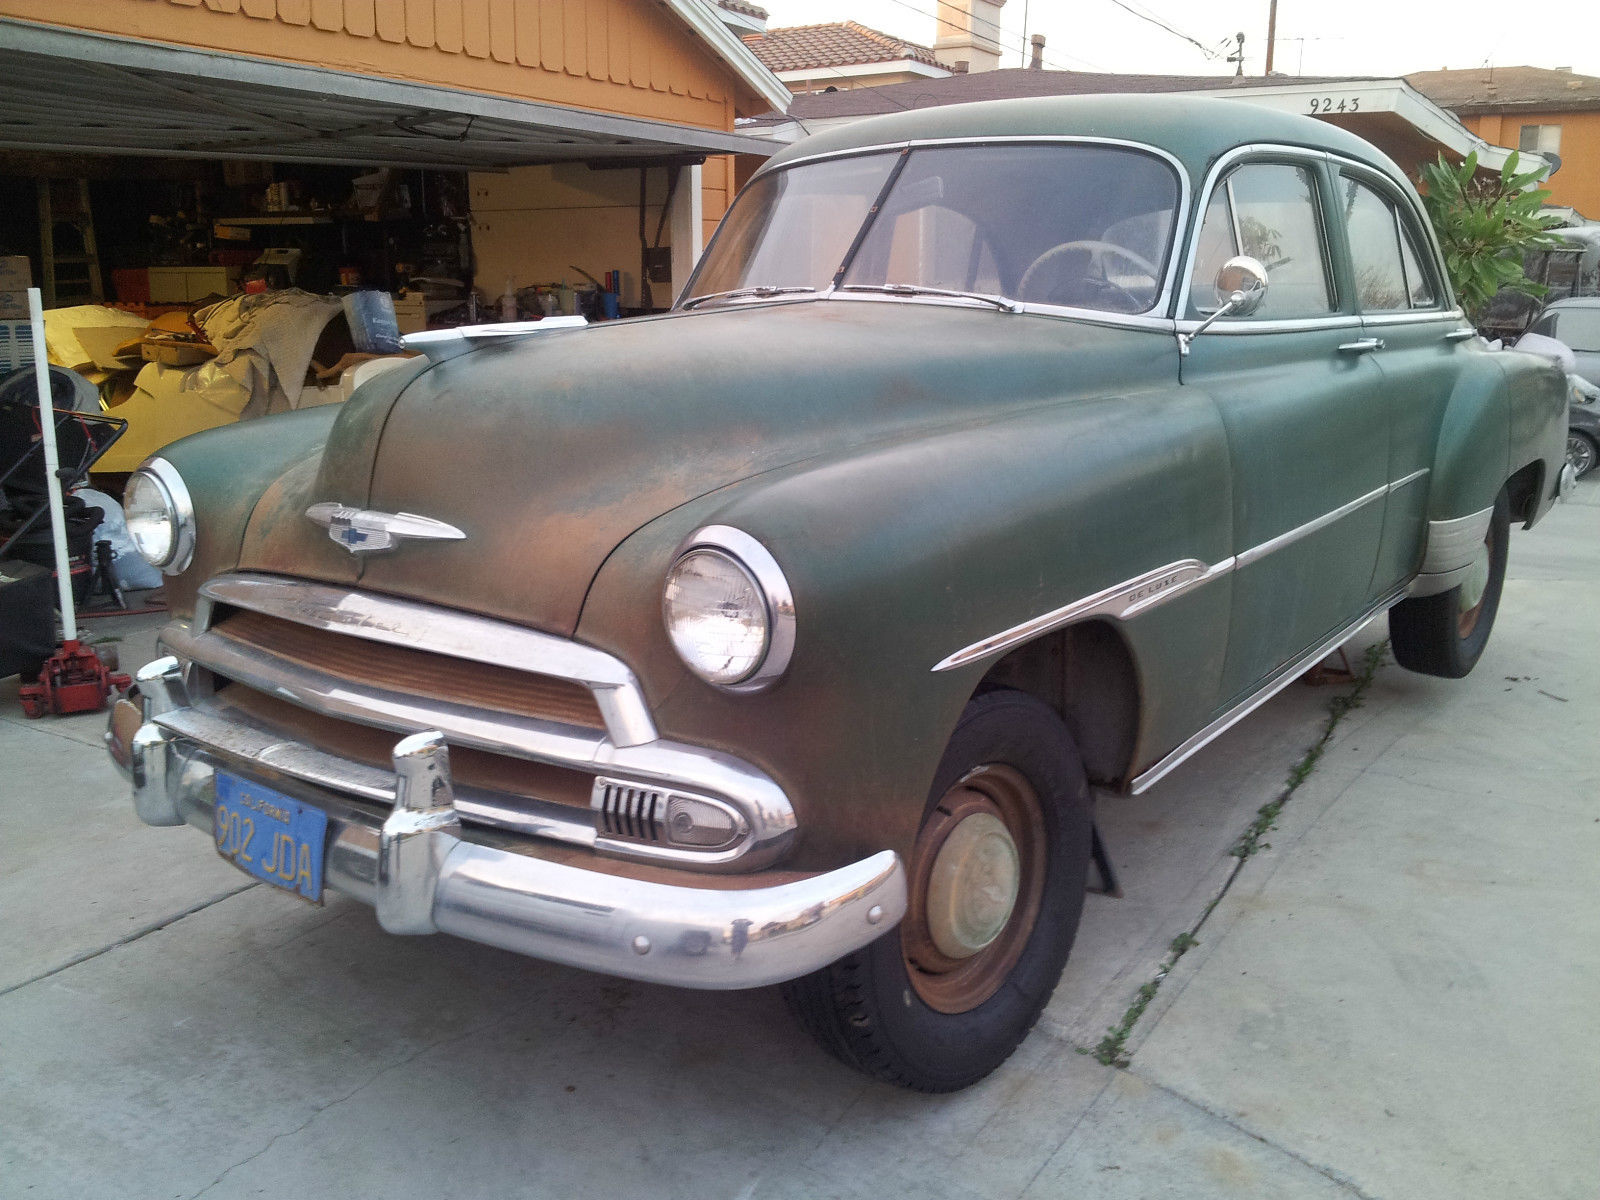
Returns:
(1327, 104)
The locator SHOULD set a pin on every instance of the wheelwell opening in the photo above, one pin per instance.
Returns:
(1524, 489)
(1086, 674)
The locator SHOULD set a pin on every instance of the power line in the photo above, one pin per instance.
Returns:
(1160, 24)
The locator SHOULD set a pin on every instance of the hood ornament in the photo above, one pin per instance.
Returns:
(363, 531)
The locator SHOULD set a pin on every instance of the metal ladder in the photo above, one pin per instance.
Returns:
(65, 202)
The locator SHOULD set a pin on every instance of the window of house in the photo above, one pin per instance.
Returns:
(1540, 139)
(1269, 212)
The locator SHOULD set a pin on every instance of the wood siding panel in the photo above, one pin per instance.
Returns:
(419, 23)
(294, 12)
(527, 32)
(391, 19)
(262, 10)
(575, 38)
(598, 60)
(618, 52)
(503, 30)
(447, 26)
(550, 35)
(223, 6)
(360, 18)
(328, 15)
(475, 37)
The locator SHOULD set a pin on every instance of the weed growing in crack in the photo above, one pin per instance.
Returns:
(1113, 1047)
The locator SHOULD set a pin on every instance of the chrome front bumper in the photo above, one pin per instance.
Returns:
(423, 876)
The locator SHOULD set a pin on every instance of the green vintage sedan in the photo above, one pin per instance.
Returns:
(994, 452)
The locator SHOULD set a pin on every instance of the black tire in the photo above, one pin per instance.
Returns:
(870, 1008)
(1442, 635)
(1582, 452)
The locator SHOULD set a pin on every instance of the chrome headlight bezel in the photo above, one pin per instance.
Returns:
(179, 513)
(753, 560)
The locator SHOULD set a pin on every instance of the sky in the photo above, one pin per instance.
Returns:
(1352, 37)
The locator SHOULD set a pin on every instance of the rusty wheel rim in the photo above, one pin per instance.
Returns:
(1473, 588)
(967, 824)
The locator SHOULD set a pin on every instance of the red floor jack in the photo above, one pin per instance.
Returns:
(74, 679)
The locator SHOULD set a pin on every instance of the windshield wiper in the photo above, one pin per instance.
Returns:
(740, 293)
(915, 289)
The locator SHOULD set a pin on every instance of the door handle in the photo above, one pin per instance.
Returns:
(1362, 346)
(1460, 335)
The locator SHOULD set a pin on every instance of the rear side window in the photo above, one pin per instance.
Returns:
(1383, 252)
(1579, 328)
(1268, 211)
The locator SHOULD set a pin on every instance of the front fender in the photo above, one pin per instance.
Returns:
(899, 555)
(226, 471)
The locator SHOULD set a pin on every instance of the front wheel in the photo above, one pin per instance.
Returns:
(996, 885)
(1445, 634)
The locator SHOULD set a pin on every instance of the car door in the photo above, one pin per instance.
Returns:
(1417, 344)
(1303, 407)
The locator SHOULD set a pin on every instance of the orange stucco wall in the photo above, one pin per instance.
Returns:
(630, 57)
(1577, 183)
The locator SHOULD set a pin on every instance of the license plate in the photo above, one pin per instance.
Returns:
(274, 837)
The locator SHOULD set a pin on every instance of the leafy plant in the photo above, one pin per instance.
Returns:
(1485, 227)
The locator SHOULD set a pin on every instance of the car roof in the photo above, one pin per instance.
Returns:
(1574, 302)
(1196, 130)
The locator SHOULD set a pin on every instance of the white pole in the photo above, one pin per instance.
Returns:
(52, 465)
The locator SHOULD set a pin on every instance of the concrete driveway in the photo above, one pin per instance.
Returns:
(1395, 997)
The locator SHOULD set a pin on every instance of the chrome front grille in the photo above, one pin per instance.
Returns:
(308, 674)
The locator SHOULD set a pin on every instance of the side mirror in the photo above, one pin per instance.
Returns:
(1241, 287)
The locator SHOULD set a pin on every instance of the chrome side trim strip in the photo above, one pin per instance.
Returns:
(446, 631)
(1282, 679)
(1119, 602)
(1289, 537)
(1128, 599)
(1452, 543)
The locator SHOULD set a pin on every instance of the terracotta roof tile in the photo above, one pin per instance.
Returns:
(1496, 89)
(748, 10)
(808, 47)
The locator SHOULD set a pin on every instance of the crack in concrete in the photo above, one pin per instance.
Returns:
(459, 1035)
(1336, 1177)
(129, 939)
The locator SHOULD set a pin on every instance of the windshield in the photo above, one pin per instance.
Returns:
(1077, 225)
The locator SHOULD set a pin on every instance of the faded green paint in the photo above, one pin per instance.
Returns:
(927, 475)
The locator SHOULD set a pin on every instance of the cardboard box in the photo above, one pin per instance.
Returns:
(411, 312)
(16, 345)
(14, 305)
(15, 274)
(176, 354)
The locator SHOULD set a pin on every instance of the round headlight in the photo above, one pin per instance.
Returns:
(160, 516)
(728, 610)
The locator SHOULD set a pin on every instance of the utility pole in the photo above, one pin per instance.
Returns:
(1272, 31)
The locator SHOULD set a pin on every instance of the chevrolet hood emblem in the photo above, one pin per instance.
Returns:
(362, 531)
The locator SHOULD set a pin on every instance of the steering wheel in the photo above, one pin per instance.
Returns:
(1095, 247)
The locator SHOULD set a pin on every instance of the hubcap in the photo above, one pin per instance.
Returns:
(1579, 453)
(973, 885)
(976, 885)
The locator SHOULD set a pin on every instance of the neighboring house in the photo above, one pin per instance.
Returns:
(1389, 113)
(819, 58)
(1531, 109)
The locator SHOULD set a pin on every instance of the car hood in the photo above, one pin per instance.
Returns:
(547, 452)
